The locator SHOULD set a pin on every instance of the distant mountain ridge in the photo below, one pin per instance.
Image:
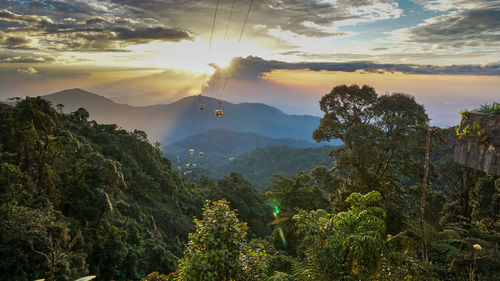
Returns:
(254, 156)
(178, 120)
(225, 143)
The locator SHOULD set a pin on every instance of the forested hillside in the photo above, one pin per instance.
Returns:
(79, 198)
(362, 220)
(222, 143)
(254, 156)
(259, 165)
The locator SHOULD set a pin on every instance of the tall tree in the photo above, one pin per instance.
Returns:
(217, 249)
(382, 145)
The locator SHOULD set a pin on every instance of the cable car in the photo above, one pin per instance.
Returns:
(202, 105)
(218, 112)
(202, 154)
(191, 151)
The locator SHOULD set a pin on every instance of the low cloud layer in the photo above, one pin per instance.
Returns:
(252, 68)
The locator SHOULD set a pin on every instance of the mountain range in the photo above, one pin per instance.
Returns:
(175, 121)
(225, 143)
(255, 156)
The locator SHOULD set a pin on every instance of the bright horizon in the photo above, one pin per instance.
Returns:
(445, 53)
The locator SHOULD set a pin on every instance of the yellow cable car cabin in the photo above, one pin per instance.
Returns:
(218, 112)
(191, 151)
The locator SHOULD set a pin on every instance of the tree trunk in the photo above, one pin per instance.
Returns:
(425, 257)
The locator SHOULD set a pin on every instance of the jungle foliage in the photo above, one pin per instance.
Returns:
(80, 198)
(84, 198)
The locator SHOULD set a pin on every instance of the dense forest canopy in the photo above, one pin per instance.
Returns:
(84, 198)
(80, 198)
(260, 165)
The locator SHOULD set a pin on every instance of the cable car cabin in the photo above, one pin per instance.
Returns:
(202, 154)
(218, 113)
(202, 106)
(191, 151)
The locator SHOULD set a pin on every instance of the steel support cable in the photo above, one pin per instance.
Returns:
(229, 20)
(202, 123)
(225, 37)
(209, 47)
(239, 40)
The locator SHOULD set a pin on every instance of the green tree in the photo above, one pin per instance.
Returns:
(83, 198)
(287, 196)
(345, 246)
(344, 107)
(383, 146)
(217, 249)
(251, 205)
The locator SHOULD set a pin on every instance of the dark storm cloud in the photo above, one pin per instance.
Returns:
(154, 33)
(95, 31)
(14, 42)
(252, 68)
(476, 27)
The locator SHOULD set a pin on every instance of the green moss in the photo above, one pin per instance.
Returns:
(490, 109)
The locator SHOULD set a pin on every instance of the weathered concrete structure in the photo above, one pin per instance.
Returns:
(480, 153)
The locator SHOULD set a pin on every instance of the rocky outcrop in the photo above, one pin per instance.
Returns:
(480, 151)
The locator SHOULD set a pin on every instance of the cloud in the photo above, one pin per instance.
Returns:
(23, 59)
(14, 42)
(103, 33)
(26, 19)
(446, 5)
(316, 30)
(311, 18)
(395, 55)
(253, 68)
(28, 72)
(476, 24)
(154, 33)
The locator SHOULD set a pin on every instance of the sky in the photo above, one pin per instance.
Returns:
(289, 53)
